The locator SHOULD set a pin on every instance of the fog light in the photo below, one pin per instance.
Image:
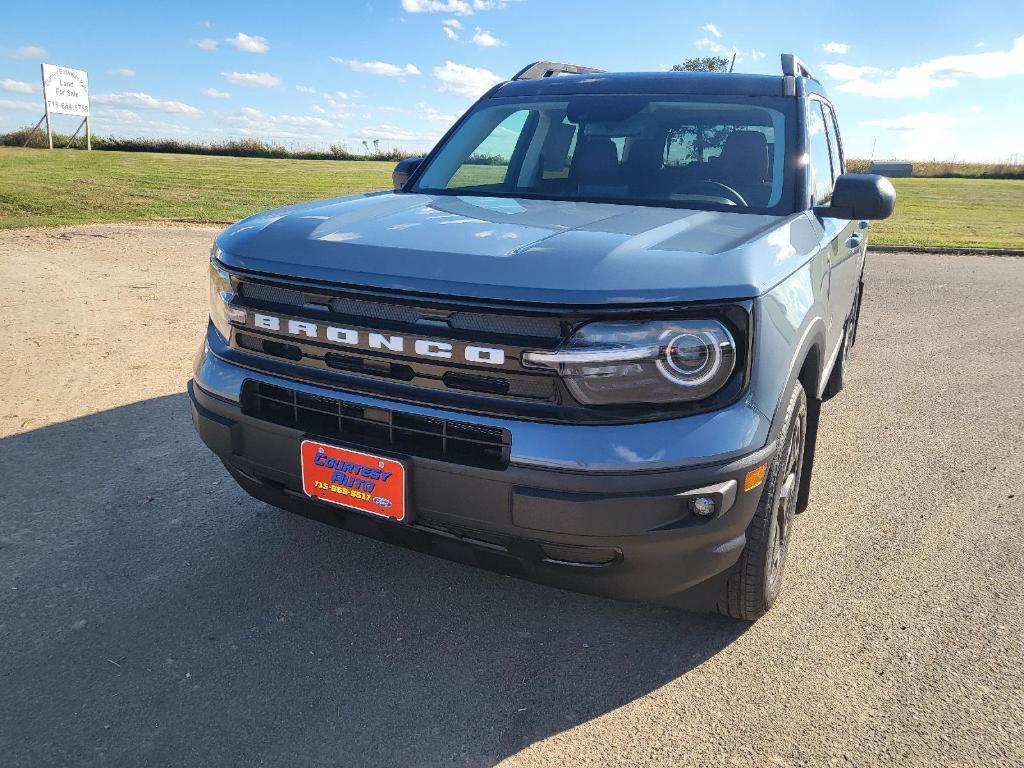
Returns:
(703, 506)
(236, 315)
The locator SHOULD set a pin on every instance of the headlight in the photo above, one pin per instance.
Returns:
(222, 296)
(650, 362)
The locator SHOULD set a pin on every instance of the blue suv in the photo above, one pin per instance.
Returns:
(583, 341)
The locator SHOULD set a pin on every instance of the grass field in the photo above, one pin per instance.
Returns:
(978, 213)
(41, 188)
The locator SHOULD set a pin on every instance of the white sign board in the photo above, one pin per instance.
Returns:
(66, 90)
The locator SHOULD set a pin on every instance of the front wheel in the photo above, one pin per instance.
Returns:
(754, 583)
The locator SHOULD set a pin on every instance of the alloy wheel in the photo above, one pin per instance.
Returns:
(784, 503)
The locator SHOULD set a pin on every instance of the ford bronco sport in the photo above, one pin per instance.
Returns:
(583, 341)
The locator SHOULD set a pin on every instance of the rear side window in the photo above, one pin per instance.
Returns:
(821, 155)
(834, 143)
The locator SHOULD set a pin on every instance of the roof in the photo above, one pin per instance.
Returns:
(705, 83)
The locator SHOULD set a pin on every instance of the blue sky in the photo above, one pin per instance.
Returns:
(916, 80)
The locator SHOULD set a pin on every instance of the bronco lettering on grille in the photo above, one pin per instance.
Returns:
(388, 342)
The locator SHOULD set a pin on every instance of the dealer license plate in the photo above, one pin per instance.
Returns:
(362, 481)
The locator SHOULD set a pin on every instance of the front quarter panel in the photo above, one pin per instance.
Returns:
(790, 319)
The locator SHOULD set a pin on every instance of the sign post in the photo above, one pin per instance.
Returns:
(66, 92)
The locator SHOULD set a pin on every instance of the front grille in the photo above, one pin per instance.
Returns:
(380, 428)
(373, 312)
(272, 294)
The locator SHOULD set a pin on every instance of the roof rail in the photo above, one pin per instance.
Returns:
(793, 67)
(542, 69)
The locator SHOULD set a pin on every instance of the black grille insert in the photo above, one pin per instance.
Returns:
(362, 426)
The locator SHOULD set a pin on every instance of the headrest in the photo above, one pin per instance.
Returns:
(745, 154)
(595, 161)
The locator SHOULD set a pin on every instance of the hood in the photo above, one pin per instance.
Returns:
(541, 251)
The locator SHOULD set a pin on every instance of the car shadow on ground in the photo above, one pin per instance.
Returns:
(152, 613)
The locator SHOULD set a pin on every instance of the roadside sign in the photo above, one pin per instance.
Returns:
(66, 90)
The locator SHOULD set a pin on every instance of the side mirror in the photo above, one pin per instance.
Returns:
(860, 196)
(404, 170)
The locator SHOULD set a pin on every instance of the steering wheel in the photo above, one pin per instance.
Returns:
(735, 197)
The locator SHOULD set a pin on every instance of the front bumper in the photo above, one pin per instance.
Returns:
(623, 531)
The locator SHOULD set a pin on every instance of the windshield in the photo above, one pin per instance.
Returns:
(681, 151)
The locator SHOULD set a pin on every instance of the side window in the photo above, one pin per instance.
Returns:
(821, 156)
(834, 142)
(488, 164)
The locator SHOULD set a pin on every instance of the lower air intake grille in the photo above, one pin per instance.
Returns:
(362, 426)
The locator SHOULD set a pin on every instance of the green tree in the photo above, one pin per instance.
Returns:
(703, 64)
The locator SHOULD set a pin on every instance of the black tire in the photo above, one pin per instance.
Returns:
(753, 584)
(840, 369)
(856, 310)
(837, 379)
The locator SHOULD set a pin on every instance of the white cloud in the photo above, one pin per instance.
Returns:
(907, 82)
(485, 39)
(378, 67)
(128, 120)
(27, 52)
(385, 132)
(213, 93)
(431, 114)
(250, 121)
(18, 86)
(21, 106)
(718, 48)
(453, 23)
(260, 79)
(255, 116)
(465, 80)
(756, 55)
(388, 132)
(336, 102)
(341, 95)
(921, 79)
(248, 43)
(459, 7)
(145, 101)
(836, 48)
(921, 134)
(987, 66)
(914, 122)
(711, 28)
(305, 89)
(844, 72)
(207, 44)
(451, 33)
(122, 72)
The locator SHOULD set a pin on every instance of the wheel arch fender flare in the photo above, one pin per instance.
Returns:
(806, 368)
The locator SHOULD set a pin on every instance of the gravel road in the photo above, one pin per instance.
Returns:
(152, 614)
